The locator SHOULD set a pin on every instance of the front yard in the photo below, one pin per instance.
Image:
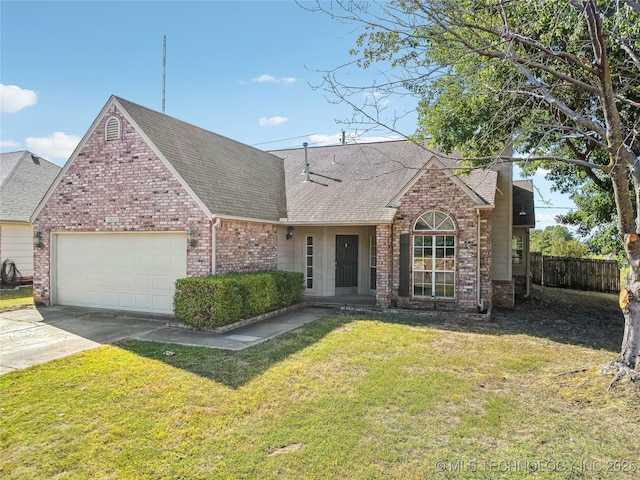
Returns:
(348, 396)
(16, 298)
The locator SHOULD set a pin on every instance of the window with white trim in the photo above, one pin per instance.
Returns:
(434, 256)
(517, 248)
(112, 131)
(309, 263)
(373, 262)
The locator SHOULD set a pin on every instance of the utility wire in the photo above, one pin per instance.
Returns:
(282, 140)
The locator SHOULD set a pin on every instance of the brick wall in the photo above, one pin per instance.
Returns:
(383, 265)
(125, 179)
(503, 293)
(434, 191)
(245, 247)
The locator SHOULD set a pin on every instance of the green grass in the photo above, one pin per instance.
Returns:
(18, 298)
(353, 397)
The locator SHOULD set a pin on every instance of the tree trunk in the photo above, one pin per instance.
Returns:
(622, 162)
(628, 358)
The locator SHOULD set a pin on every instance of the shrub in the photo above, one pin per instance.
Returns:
(219, 300)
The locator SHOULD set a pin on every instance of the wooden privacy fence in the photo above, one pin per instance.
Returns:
(578, 273)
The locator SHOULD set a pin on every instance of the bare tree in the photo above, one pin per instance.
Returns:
(561, 78)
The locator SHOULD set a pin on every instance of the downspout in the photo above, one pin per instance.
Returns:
(214, 226)
(528, 281)
(479, 300)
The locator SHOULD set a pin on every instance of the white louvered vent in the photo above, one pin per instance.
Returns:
(113, 129)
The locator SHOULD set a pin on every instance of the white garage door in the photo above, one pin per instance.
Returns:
(123, 271)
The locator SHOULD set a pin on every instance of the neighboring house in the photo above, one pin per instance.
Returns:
(145, 199)
(24, 179)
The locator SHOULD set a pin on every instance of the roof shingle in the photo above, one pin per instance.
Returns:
(24, 180)
(229, 177)
(371, 175)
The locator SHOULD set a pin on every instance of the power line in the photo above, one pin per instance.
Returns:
(282, 140)
(558, 208)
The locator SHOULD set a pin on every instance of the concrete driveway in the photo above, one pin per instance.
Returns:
(37, 335)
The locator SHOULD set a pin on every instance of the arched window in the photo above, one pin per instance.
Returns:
(113, 129)
(434, 256)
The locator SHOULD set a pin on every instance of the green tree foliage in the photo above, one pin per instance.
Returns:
(557, 241)
(559, 78)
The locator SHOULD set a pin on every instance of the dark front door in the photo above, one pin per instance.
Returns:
(346, 261)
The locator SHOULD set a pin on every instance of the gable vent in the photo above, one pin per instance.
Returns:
(113, 129)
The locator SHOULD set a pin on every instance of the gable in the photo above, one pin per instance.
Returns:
(224, 177)
(439, 172)
(434, 189)
(117, 186)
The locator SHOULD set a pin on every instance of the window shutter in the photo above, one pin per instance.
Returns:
(403, 268)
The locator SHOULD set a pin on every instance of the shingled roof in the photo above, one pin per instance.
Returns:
(24, 180)
(229, 177)
(371, 175)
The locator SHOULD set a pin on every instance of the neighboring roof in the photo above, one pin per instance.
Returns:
(24, 180)
(372, 175)
(229, 177)
(523, 203)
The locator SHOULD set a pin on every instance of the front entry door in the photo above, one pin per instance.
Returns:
(346, 264)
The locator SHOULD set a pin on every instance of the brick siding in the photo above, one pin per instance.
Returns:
(124, 179)
(503, 293)
(245, 247)
(434, 191)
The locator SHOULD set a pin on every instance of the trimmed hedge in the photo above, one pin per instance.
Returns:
(219, 300)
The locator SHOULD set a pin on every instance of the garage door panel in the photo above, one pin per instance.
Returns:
(120, 271)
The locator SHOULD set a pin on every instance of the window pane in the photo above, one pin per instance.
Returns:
(418, 240)
(450, 241)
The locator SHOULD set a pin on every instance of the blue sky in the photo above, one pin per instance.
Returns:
(245, 70)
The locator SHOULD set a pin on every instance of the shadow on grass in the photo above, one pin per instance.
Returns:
(566, 316)
(236, 368)
(573, 317)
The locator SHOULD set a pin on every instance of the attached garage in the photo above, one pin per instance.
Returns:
(121, 271)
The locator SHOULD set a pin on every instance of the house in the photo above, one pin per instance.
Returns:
(24, 179)
(146, 198)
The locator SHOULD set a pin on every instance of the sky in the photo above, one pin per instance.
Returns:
(249, 70)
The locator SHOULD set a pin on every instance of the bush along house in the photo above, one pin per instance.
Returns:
(146, 199)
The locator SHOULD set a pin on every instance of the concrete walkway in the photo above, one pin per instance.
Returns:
(37, 335)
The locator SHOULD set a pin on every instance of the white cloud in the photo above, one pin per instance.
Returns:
(376, 98)
(272, 121)
(13, 98)
(544, 220)
(266, 78)
(59, 145)
(9, 144)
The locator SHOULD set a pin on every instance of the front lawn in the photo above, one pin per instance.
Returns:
(16, 298)
(348, 397)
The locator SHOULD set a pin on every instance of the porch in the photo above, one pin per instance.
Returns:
(351, 300)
